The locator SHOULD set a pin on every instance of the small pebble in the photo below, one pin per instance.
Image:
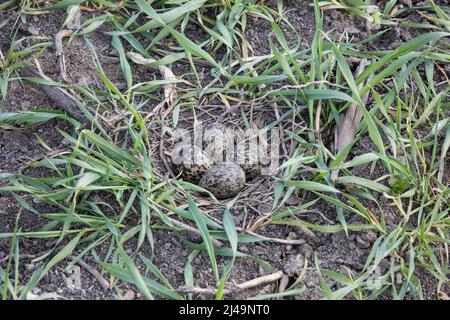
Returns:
(353, 30)
(30, 266)
(113, 53)
(294, 265)
(129, 295)
(34, 30)
(398, 278)
(291, 236)
(31, 296)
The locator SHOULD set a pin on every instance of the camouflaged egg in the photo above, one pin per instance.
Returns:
(224, 180)
(190, 161)
(247, 157)
(216, 141)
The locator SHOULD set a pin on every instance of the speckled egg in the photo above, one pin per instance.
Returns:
(190, 161)
(224, 180)
(216, 141)
(247, 157)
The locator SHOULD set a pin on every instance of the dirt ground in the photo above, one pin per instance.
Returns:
(337, 252)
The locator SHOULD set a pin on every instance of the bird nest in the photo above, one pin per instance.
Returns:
(257, 194)
(260, 117)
